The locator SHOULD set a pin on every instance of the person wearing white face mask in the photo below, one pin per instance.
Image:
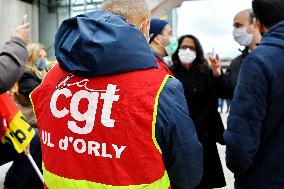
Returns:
(245, 31)
(242, 36)
(246, 34)
(255, 126)
(186, 56)
(192, 69)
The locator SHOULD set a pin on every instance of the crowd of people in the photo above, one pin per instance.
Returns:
(128, 106)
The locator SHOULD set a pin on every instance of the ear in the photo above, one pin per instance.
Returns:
(145, 26)
(254, 26)
(260, 27)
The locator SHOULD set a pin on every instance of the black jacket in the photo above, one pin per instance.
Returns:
(203, 103)
(28, 82)
(254, 138)
(227, 81)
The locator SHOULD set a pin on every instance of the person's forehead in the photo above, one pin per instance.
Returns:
(188, 42)
(242, 18)
(42, 52)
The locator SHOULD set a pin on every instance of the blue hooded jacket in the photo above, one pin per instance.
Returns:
(100, 43)
(254, 137)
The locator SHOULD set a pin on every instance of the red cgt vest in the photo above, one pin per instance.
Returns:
(100, 132)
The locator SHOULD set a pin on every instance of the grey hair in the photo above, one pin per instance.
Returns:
(134, 11)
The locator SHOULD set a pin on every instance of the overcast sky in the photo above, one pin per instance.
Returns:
(211, 21)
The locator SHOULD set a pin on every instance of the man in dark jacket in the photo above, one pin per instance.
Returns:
(246, 34)
(254, 138)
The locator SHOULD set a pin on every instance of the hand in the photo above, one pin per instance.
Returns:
(216, 65)
(22, 32)
(27, 150)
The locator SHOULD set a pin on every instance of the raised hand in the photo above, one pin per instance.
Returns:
(22, 32)
(216, 65)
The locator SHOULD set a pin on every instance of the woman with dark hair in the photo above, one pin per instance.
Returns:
(191, 68)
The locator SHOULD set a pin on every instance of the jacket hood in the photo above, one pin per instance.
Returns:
(101, 43)
(274, 36)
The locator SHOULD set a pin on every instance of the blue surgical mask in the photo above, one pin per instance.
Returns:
(41, 63)
(171, 47)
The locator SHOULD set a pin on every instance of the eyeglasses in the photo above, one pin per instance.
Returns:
(192, 48)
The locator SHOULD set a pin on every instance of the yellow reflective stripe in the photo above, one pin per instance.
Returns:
(155, 113)
(53, 181)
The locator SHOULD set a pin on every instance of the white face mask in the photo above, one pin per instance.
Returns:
(242, 36)
(186, 56)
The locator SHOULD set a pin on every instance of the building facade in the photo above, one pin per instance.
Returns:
(45, 16)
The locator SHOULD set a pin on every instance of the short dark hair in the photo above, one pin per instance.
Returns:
(268, 12)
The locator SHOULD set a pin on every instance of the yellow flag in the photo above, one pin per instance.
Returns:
(14, 129)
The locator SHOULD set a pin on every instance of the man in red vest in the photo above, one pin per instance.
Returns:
(108, 117)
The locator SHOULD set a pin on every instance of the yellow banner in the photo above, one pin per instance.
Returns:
(19, 133)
